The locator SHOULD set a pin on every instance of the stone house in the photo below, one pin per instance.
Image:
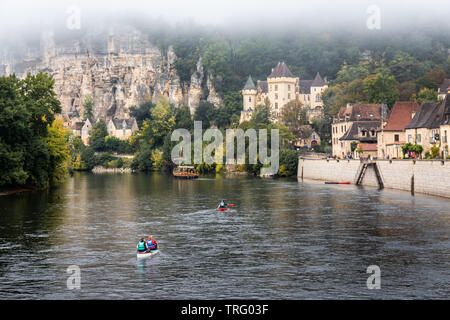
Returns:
(122, 128)
(312, 137)
(76, 128)
(392, 136)
(444, 89)
(280, 88)
(444, 129)
(424, 127)
(87, 126)
(362, 135)
(355, 123)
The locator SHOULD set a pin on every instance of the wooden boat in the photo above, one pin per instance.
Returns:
(185, 172)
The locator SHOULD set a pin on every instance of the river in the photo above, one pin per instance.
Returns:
(285, 239)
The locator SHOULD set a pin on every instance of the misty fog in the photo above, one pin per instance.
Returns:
(26, 18)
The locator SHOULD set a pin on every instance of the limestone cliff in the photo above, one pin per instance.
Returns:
(119, 69)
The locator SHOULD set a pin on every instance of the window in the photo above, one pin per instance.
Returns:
(363, 133)
(372, 133)
(445, 136)
(396, 138)
(276, 87)
(419, 138)
(409, 138)
(289, 96)
(289, 87)
(276, 96)
(318, 98)
(249, 99)
(276, 105)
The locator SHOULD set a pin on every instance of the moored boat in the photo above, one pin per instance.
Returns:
(337, 182)
(185, 172)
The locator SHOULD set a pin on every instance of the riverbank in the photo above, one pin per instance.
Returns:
(430, 177)
(19, 190)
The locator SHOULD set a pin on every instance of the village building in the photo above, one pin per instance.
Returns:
(87, 126)
(280, 88)
(444, 129)
(392, 136)
(354, 129)
(122, 128)
(77, 127)
(424, 128)
(310, 139)
(444, 89)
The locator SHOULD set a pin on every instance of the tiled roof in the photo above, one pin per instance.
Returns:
(119, 123)
(263, 86)
(446, 113)
(401, 116)
(77, 125)
(444, 87)
(360, 112)
(281, 70)
(305, 86)
(356, 127)
(318, 81)
(249, 85)
(426, 117)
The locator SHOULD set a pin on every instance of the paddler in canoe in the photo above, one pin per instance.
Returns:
(152, 244)
(142, 245)
(222, 204)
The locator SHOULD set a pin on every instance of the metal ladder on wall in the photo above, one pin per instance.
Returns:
(362, 171)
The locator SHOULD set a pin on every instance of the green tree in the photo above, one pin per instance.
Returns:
(294, 116)
(88, 106)
(142, 112)
(183, 118)
(97, 136)
(58, 146)
(381, 88)
(425, 95)
(260, 116)
(205, 113)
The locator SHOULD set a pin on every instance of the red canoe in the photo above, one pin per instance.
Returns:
(222, 209)
(337, 182)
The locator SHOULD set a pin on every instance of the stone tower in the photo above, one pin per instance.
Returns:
(249, 94)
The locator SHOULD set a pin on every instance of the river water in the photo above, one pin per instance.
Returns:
(285, 239)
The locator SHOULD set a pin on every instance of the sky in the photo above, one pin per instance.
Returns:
(18, 16)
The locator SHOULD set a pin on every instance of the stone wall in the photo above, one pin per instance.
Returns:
(422, 176)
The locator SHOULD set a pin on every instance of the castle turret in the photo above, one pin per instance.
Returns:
(249, 93)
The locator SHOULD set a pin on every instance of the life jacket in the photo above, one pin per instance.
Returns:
(152, 244)
(222, 204)
(141, 246)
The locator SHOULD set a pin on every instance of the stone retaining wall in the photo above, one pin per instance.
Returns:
(421, 176)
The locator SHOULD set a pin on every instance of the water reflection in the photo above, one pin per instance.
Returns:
(285, 239)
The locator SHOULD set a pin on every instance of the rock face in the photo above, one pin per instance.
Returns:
(118, 69)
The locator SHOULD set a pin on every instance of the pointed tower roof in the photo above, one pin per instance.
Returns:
(281, 70)
(318, 81)
(249, 85)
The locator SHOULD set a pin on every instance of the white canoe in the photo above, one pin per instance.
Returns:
(145, 255)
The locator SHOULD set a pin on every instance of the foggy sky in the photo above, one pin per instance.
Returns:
(20, 16)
